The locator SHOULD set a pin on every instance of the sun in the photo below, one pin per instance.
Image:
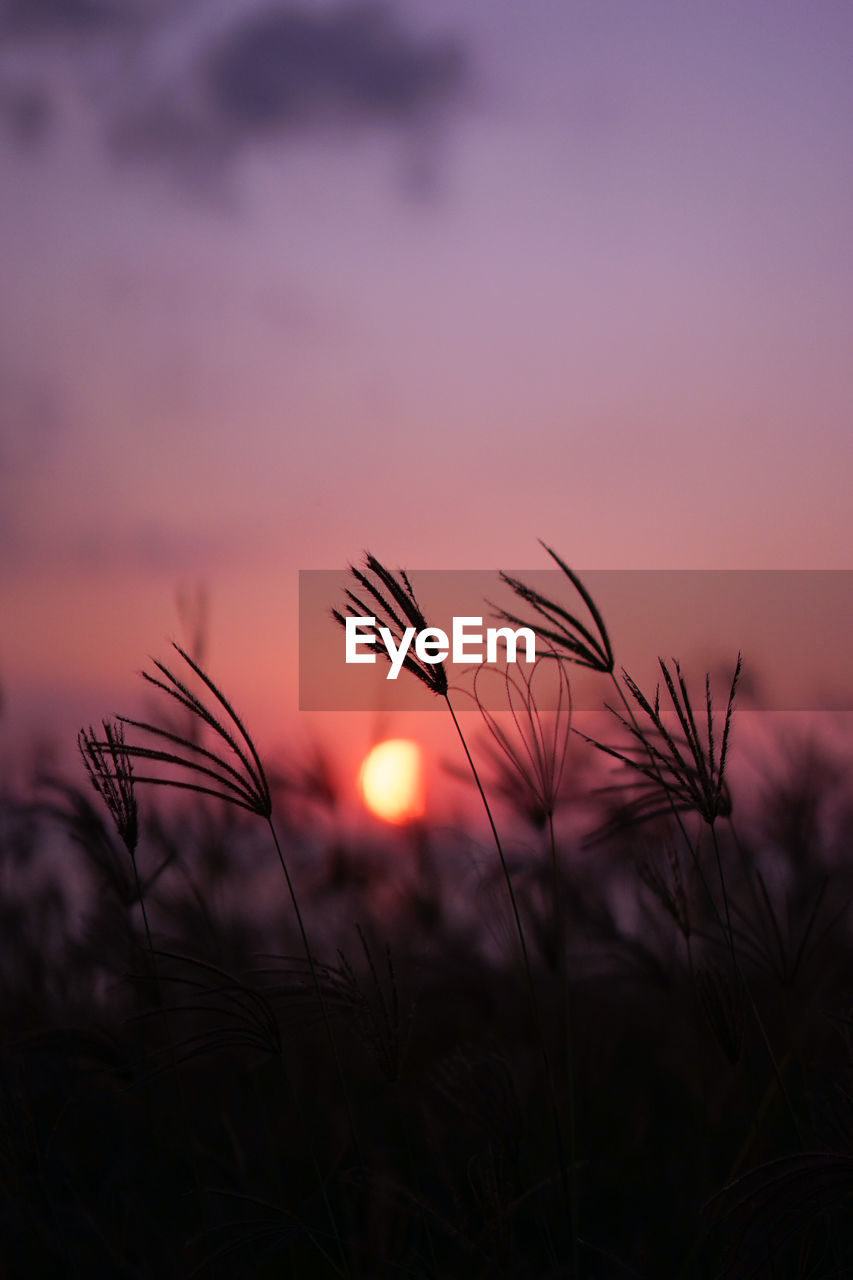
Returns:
(391, 781)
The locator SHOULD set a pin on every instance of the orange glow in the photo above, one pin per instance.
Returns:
(391, 781)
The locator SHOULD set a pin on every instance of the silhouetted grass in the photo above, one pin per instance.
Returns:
(374, 1104)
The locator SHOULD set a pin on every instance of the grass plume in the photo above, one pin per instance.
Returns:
(563, 630)
(383, 588)
(108, 764)
(684, 772)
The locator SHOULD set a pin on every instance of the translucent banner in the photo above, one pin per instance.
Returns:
(793, 627)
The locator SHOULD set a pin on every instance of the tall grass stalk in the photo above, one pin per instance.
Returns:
(566, 1009)
(393, 596)
(533, 753)
(110, 769)
(235, 774)
(315, 979)
(109, 764)
(531, 985)
(695, 781)
(704, 791)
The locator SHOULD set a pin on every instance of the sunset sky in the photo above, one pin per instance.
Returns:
(284, 282)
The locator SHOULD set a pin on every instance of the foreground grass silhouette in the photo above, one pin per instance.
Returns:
(221, 1072)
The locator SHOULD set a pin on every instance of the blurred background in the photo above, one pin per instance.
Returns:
(282, 282)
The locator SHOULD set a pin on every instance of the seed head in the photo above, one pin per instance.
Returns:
(108, 764)
(532, 750)
(233, 772)
(681, 771)
(400, 610)
(572, 639)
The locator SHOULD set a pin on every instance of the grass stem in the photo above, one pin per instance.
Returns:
(559, 1141)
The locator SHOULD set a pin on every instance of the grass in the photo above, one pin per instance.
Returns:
(624, 1053)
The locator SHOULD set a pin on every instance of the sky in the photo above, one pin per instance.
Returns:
(284, 282)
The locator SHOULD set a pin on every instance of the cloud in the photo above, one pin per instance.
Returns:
(286, 68)
(39, 18)
(197, 85)
(26, 112)
(38, 38)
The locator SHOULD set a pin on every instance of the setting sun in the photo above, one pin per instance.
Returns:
(391, 781)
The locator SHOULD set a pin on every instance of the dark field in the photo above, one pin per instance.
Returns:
(611, 1038)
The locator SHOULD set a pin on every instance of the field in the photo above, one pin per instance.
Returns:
(607, 1033)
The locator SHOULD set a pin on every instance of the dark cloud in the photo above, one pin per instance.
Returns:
(39, 40)
(286, 68)
(26, 112)
(174, 83)
(40, 18)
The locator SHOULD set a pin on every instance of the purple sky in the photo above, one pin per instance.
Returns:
(437, 279)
